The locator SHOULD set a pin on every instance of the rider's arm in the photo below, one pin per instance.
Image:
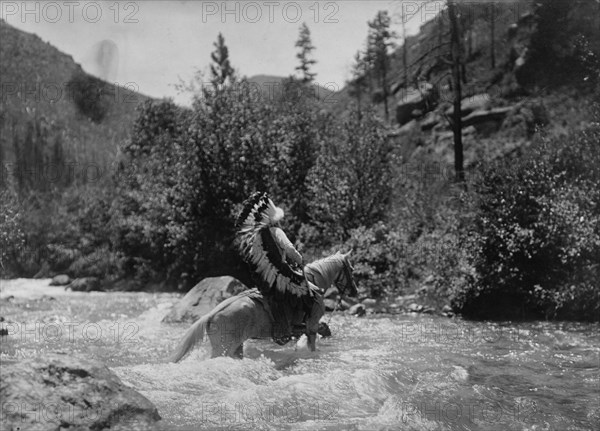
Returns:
(287, 246)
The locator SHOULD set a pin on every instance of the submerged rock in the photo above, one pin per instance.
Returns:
(203, 297)
(60, 280)
(59, 391)
(415, 308)
(85, 284)
(357, 310)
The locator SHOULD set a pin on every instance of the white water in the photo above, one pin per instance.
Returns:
(380, 372)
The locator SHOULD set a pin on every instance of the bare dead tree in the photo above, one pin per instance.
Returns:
(455, 56)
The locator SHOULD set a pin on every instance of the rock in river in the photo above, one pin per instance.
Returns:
(85, 284)
(357, 310)
(60, 280)
(203, 297)
(59, 391)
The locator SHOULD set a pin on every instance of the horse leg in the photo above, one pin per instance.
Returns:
(239, 352)
(312, 324)
(216, 344)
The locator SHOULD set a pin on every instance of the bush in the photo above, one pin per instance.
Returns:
(378, 256)
(12, 236)
(351, 182)
(90, 96)
(185, 173)
(538, 249)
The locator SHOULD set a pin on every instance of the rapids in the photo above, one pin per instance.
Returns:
(414, 372)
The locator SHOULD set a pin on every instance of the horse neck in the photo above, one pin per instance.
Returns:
(327, 269)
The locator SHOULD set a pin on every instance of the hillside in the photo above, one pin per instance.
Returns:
(52, 111)
(534, 67)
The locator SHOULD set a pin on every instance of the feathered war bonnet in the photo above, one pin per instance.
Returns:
(257, 210)
(259, 249)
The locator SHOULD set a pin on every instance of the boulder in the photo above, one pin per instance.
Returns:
(472, 103)
(415, 308)
(430, 121)
(369, 302)
(493, 117)
(203, 297)
(422, 99)
(374, 306)
(60, 280)
(59, 391)
(85, 284)
(447, 311)
(357, 310)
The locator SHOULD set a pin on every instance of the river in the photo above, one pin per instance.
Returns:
(413, 372)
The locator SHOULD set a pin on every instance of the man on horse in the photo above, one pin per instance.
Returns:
(279, 266)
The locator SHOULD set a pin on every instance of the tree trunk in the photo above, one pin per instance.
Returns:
(385, 92)
(359, 102)
(492, 35)
(456, 86)
(404, 54)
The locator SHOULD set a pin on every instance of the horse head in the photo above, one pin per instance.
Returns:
(345, 280)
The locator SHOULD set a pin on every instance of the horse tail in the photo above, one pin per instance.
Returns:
(193, 335)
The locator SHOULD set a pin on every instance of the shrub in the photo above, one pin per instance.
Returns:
(351, 182)
(185, 173)
(12, 236)
(538, 249)
(379, 259)
(89, 95)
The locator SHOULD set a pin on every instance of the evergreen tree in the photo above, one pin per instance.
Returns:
(378, 43)
(358, 84)
(304, 55)
(221, 70)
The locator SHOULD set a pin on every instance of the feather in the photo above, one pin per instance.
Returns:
(283, 287)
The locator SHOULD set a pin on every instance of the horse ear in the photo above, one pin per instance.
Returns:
(348, 254)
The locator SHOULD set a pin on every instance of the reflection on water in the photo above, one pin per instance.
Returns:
(385, 372)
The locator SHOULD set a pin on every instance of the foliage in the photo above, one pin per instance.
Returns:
(12, 236)
(304, 55)
(221, 70)
(560, 50)
(89, 94)
(185, 173)
(378, 256)
(538, 243)
(379, 41)
(350, 183)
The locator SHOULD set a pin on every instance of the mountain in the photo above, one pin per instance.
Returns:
(52, 111)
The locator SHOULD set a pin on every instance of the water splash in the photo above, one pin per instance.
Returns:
(419, 373)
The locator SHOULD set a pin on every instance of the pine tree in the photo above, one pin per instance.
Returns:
(358, 84)
(304, 55)
(378, 43)
(221, 70)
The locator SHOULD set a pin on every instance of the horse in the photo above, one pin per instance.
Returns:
(248, 315)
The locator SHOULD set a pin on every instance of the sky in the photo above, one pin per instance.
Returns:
(153, 45)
